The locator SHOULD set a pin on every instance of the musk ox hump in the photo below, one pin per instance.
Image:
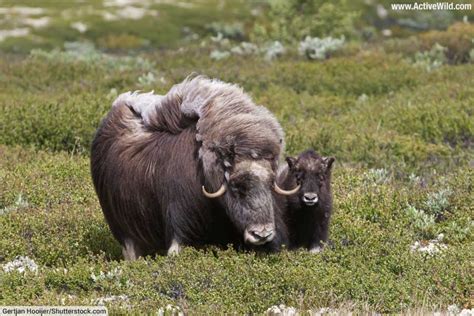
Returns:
(228, 118)
(144, 105)
(220, 111)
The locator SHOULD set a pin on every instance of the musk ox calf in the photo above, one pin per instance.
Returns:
(192, 167)
(309, 207)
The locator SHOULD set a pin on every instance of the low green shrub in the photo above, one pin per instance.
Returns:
(369, 262)
(401, 232)
(64, 124)
(122, 42)
(457, 39)
(375, 110)
(291, 21)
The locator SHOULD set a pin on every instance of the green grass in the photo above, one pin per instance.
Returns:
(402, 136)
(163, 24)
(378, 111)
(369, 262)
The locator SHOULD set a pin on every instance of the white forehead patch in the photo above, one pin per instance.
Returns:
(256, 168)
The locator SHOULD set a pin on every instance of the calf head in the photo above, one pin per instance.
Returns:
(312, 173)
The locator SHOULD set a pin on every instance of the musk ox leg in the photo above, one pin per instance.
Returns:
(130, 250)
(319, 237)
(174, 248)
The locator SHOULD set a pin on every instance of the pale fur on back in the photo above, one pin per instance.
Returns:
(225, 117)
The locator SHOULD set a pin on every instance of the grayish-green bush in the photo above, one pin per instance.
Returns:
(432, 59)
(293, 20)
(320, 48)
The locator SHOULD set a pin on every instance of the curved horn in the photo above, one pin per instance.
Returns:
(215, 194)
(285, 192)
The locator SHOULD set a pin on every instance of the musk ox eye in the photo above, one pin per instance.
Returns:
(239, 192)
(233, 189)
(238, 188)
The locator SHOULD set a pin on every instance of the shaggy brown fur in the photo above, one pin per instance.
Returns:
(151, 154)
(309, 210)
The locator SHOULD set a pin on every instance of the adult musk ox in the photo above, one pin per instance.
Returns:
(192, 167)
(309, 207)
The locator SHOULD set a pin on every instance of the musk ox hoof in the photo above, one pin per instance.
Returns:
(316, 249)
(130, 251)
(174, 249)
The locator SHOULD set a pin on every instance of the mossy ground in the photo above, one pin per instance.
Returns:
(403, 138)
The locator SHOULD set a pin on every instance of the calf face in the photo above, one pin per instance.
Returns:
(313, 173)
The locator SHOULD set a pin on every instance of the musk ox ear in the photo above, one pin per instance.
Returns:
(327, 162)
(291, 162)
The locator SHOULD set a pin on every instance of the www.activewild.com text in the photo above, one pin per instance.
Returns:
(431, 6)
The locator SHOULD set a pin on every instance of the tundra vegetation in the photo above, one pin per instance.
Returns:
(389, 94)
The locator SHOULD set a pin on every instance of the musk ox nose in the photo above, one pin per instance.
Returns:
(259, 234)
(310, 198)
